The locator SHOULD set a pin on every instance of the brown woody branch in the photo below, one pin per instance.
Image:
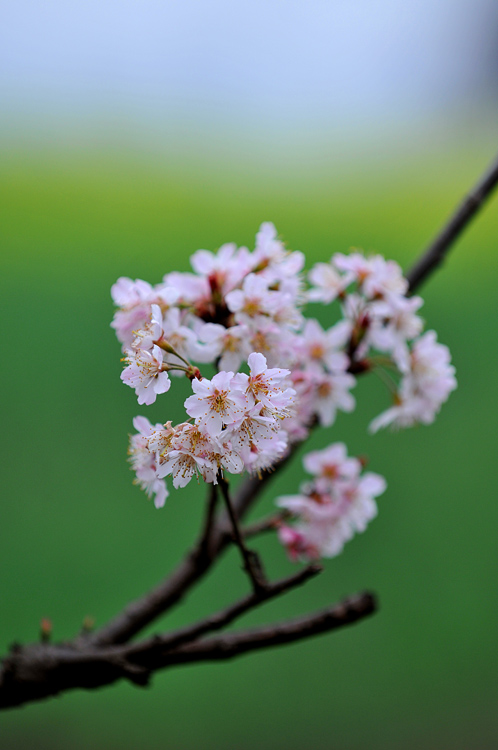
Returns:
(226, 616)
(250, 559)
(459, 220)
(41, 670)
(140, 613)
(265, 524)
(347, 612)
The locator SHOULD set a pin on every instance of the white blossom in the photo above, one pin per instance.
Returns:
(225, 269)
(338, 503)
(145, 373)
(143, 461)
(231, 345)
(216, 403)
(134, 298)
(266, 386)
(424, 387)
(324, 349)
(394, 324)
(327, 283)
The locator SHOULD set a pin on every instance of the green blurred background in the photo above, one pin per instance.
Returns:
(77, 538)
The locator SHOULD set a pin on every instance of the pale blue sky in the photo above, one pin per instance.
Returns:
(269, 64)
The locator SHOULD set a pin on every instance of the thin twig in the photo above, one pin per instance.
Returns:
(227, 646)
(252, 563)
(450, 232)
(266, 524)
(224, 617)
(206, 534)
(147, 608)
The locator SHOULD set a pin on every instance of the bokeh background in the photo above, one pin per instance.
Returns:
(132, 134)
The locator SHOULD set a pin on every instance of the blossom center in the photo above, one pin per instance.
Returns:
(218, 401)
(252, 307)
(324, 390)
(316, 351)
(258, 385)
(330, 471)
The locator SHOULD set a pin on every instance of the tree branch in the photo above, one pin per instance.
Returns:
(140, 613)
(205, 539)
(347, 612)
(43, 670)
(226, 616)
(251, 560)
(468, 208)
(265, 524)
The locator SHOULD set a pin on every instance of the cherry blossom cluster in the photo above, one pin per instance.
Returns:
(330, 509)
(263, 375)
(379, 317)
(235, 303)
(237, 426)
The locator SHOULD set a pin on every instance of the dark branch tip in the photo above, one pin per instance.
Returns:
(365, 602)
